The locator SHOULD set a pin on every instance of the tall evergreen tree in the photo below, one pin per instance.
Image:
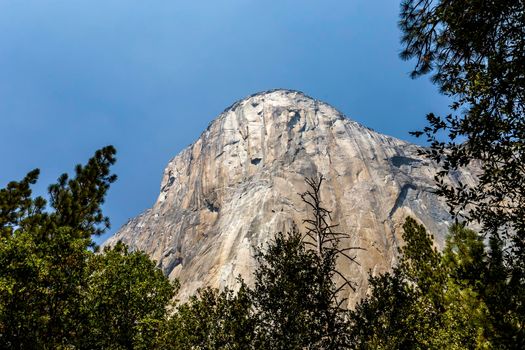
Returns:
(43, 254)
(422, 303)
(295, 296)
(55, 293)
(475, 50)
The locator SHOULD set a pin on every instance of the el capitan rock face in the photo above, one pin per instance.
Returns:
(239, 183)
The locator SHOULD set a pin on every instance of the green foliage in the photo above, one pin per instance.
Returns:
(77, 202)
(39, 289)
(43, 255)
(17, 208)
(295, 297)
(475, 50)
(126, 300)
(422, 304)
(293, 304)
(380, 321)
(420, 262)
(465, 256)
(212, 320)
(291, 295)
(483, 271)
(55, 293)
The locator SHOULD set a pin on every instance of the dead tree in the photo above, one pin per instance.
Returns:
(322, 236)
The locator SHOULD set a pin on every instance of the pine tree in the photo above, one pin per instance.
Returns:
(422, 303)
(295, 296)
(55, 292)
(43, 254)
(475, 50)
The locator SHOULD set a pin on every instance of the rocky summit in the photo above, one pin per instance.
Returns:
(239, 183)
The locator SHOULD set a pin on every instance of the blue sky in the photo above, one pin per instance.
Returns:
(148, 77)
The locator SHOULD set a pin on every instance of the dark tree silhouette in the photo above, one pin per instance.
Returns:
(475, 51)
(322, 236)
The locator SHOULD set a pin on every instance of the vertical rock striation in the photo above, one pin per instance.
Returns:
(239, 183)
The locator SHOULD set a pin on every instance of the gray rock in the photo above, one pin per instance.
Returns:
(238, 184)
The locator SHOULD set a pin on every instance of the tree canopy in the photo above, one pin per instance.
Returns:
(426, 302)
(475, 51)
(55, 292)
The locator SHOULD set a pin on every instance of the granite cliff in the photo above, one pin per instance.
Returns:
(239, 183)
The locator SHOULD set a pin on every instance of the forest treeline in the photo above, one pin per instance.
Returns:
(57, 293)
